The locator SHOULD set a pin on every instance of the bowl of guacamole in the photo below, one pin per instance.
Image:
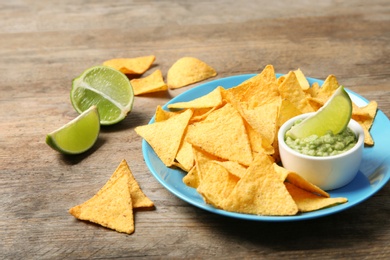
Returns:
(329, 161)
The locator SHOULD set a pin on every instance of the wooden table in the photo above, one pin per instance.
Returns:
(45, 44)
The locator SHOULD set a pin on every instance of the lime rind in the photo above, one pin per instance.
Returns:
(108, 89)
(78, 135)
(333, 116)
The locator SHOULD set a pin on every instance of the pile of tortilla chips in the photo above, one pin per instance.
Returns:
(112, 206)
(226, 141)
(183, 72)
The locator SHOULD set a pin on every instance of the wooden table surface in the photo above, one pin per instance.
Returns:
(45, 44)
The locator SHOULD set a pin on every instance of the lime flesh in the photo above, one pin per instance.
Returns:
(108, 89)
(333, 116)
(78, 135)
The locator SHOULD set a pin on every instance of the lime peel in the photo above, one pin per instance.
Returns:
(78, 135)
(333, 116)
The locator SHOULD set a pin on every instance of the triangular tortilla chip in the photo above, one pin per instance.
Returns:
(136, 65)
(165, 136)
(188, 70)
(149, 84)
(111, 207)
(261, 191)
(209, 100)
(292, 91)
(138, 198)
(302, 79)
(219, 132)
(307, 201)
(216, 184)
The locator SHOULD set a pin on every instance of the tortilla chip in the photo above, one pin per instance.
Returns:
(165, 136)
(216, 184)
(307, 201)
(234, 168)
(111, 207)
(219, 132)
(299, 181)
(152, 83)
(188, 70)
(138, 198)
(162, 115)
(261, 89)
(302, 79)
(260, 191)
(131, 65)
(328, 87)
(291, 91)
(212, 99)
(192, 178)
(263, 119)
(185, 156)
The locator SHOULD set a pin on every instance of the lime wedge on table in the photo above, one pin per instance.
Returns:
(78, 135)
(108, 89)
(333, 116)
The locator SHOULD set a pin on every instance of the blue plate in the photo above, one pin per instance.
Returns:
(373, 174)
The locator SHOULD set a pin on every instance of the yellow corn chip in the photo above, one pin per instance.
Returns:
(260, 191)
(219, 132)
(216, 184)
(185, 156)
(188, 70)
(302, 79)
(212, 99)
(131, 65)
(234, 168)
(111, 207)
(328, 87)
(307, 201)
(152, 83)
(192, 178)
(263, 119)
(165, 136)
(138, 198)
(291, 90)
(162, 115)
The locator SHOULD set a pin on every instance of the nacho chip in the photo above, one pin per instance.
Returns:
(263, 119)
(302, 79)
(192, 178)
(261, 89)
(188, 70)
(185, 156)
(212, 99)
(219, 132)
(291, 91)
(260, 191)
(152, 83)
(234, 168)
(131, 65)
(138, 198)
(307, 201)
(299, 181)
(328, 87)
(111, 207)
(162, 115)
(216, 184)
(165, 136)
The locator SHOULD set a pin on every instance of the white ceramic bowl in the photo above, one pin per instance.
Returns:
(327, 172)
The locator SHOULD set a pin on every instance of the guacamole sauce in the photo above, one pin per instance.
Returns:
(326, 145)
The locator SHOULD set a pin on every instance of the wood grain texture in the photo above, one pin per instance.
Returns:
(45, 44)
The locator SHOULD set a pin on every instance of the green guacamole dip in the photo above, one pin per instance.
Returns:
(326, 145)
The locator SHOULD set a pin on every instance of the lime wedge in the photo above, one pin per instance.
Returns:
(333, 116)
(78, 135)
(108, 89)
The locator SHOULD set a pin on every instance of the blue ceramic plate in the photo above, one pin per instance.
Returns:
(373, 174)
